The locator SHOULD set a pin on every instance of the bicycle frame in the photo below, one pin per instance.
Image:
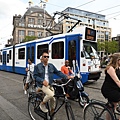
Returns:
(38, 98)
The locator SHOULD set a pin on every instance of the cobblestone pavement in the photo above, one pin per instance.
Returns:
(13, 103)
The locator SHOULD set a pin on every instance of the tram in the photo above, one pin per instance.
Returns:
(79, 45)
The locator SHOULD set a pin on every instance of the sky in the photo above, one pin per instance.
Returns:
(8, 8)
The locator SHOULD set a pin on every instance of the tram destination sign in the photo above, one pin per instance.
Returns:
(90, 34)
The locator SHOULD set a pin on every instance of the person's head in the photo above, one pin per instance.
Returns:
(29, 60)
(45, 57)
(66, 63)
(114, 60)
(41, 58)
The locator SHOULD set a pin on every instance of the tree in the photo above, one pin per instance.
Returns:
(113, 47)
(29, 38)
(108, 46)
(100, 46)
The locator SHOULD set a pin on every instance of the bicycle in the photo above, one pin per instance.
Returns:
(99, 110)
(31, 85)
(36, 98)
(75, 90)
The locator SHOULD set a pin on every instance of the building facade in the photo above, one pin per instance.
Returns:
(33, 23)
(89, 19)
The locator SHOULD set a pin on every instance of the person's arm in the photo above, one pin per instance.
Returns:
(60, 74)
(37, 76)
(70, 70)
(62, 69)
(27, 68)
(112, 73)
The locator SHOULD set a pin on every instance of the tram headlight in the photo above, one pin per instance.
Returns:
(89, 68)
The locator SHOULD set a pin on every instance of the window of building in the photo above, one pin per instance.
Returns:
(88, 21)
(47, 34)
(21, 53)
(10, 54)
(22, 24)
(31, 20)
(39, 21)
(20, 39)
(31, 33)
(21, 32)
(41, 49)
(39, 34)
(58, 50)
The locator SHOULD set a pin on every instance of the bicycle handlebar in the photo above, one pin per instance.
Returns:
(63, 84)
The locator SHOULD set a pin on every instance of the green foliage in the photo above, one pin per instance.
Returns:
(29, 38)
(108, 46)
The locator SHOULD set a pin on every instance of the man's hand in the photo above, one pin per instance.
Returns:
(70, 77)
(45, 83)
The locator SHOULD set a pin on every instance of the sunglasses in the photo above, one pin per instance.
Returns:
(46, 56)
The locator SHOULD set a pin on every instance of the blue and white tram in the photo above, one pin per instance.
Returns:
(80, 45)
(6, 59)
(23, 51)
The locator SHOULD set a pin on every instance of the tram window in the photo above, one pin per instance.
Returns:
(0, 58)
(41, 49)
(7, 58)
(71, 51)
(33, 53)
(82, 55)
(21, 53)
(10, 54)
(28, 52)
(58, 50)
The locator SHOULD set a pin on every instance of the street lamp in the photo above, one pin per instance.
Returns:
(44, 6)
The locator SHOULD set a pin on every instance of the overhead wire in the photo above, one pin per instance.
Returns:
(114, 16)
(95, 12)
(112, 13)
(85, 3)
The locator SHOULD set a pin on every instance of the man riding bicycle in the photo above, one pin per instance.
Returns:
(43, 74)
(29, 70)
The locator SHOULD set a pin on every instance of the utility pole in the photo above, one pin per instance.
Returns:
(44, 19)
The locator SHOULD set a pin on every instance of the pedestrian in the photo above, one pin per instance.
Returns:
(111, 86)
(29, 70)
(66, 69)
(43, 74)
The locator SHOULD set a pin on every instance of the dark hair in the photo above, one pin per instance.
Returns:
(113, 61)
(44, 52)
(30, 59)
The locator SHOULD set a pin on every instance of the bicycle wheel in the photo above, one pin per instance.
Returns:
(97, 111)
(34, 109)
(83, 100)
(69, 112)
(24, 81)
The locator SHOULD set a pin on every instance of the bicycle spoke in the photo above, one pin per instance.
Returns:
(97, 111)
(69, 113)
(34, 110)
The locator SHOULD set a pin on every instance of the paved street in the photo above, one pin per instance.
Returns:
(13, 103)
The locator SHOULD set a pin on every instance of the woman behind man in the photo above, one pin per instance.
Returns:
(111, 86)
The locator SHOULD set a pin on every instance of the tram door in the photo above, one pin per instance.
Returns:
(30, 52)
(73, 49)
(4, 60)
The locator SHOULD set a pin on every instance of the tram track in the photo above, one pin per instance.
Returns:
(87, 85)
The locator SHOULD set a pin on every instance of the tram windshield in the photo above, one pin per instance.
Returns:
(89, 50)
